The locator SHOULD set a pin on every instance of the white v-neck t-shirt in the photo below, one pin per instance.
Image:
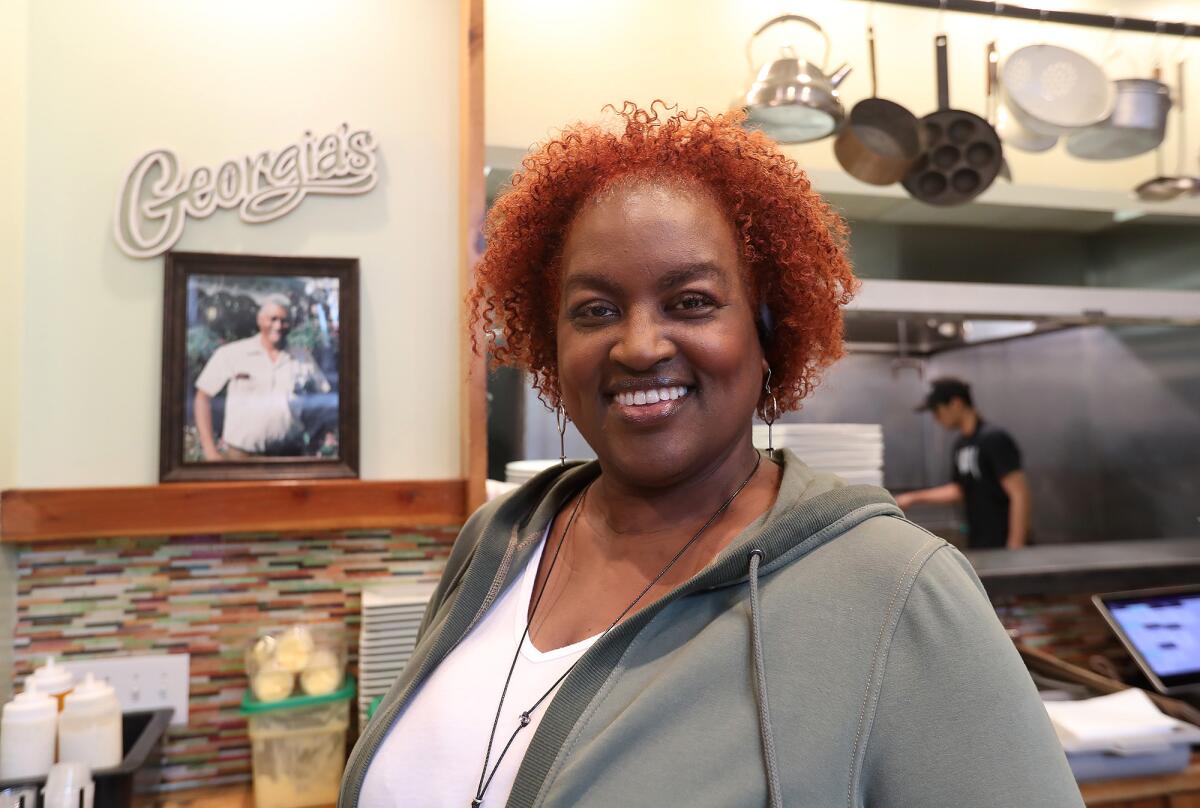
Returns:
(433, 754)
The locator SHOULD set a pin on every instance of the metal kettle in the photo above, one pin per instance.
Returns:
(791, 99)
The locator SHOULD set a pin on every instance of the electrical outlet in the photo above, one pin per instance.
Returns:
(145, 682)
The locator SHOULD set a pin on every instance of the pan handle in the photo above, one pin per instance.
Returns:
(788, 18)
(943, 73)
(1179, 71)
(992, 71)
(871, 52)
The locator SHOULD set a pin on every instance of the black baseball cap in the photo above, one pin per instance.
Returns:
(943, 391)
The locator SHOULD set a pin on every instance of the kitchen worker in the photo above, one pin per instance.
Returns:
(265, 381)
(985, 469)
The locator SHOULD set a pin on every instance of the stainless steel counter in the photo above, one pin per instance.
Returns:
(1088, 567)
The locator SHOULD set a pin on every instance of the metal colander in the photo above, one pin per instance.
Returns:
(1054, 91)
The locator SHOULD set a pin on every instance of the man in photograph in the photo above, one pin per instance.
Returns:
(265, 382)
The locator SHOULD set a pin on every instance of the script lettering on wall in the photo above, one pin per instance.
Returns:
(158, 195)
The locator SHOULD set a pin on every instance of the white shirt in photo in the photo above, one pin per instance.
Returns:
(262, 403)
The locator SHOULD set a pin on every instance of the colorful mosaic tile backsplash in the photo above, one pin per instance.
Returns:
(206, 596)
(209, 595)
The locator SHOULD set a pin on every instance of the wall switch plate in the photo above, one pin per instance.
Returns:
(145, 682)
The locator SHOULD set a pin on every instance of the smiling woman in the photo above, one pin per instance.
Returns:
(686, 621)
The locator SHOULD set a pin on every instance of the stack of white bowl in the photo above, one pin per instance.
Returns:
(522, 471)
(853, 452)
(391, 615)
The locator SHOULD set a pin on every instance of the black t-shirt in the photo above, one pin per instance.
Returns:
(978, 464)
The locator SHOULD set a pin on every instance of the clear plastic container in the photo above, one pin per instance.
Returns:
(298, 747)
(308, 660)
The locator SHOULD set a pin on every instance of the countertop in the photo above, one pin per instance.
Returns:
(1115, 793)
(235, 796)
(1088, 567)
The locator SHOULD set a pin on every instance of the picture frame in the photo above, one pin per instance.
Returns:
(260, 373)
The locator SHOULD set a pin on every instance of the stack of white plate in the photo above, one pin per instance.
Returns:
(521, 471)
(854, 452)
(391, 615)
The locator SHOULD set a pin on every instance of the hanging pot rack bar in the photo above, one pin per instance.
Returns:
(1049, 15)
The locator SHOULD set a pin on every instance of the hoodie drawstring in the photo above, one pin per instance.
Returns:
(774, 798)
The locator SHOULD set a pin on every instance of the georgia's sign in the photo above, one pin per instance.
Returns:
(158, 196)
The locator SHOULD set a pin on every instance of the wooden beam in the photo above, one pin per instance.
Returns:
(29, 515)
(472, 205)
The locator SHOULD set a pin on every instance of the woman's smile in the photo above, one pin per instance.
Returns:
(648, 403)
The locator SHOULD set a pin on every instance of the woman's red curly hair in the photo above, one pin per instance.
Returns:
(792, 244)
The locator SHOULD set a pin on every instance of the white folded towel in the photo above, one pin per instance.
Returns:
(1126, 716)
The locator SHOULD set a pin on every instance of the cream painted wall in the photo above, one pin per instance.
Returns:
(214, 79)
(14, 20)
(549, 63)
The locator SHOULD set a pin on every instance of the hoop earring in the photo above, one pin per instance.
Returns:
(560, 420)
(774, 412)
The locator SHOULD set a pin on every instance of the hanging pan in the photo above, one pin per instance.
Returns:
(962, 153)
(881, 139)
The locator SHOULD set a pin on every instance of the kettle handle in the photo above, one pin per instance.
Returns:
(788, 18)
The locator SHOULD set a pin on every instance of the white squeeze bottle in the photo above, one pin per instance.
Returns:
(27, 734)
(53, 680)
(89, 728)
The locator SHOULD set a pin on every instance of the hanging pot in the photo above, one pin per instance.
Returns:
(962, 154)
(1164, 188)
(791, 99)
(1137, 125)
(881, 139)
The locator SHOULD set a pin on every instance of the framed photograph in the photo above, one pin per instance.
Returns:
(260, 368)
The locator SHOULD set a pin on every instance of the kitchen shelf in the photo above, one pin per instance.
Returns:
(908, 317)
(1004, 206)
(1075, 305)
(1007, 206)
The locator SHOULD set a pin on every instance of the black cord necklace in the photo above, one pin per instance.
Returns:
(485, 779)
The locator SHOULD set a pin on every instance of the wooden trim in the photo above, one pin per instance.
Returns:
(472, 201)
(29, 515)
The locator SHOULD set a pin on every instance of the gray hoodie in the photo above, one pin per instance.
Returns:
(834, 654)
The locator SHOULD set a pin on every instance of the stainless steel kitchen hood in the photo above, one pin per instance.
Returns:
(924, 317)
